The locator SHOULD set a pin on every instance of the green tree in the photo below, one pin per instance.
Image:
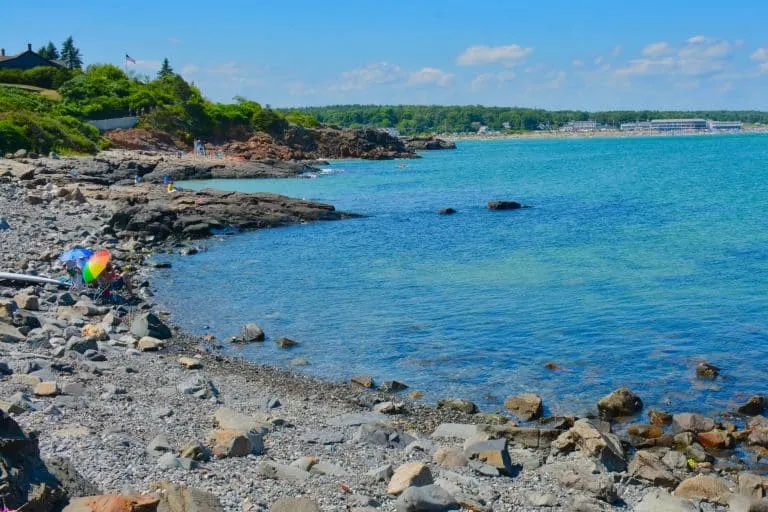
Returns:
(70, 54)
(48, 51)
(166, 71)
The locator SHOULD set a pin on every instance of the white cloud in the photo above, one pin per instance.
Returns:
(761, 54)
(189, 69)
(484, 80)
(558, 81)
(643, 67)
(377, 73)
(227, 68)
(299, 88)
(617, 50)
(426, 76)
(656, 49)
(577, 63)
(508, 55)
(174, 40)
(764, 67)
(697, 39)
(599, 60)
(147, 65)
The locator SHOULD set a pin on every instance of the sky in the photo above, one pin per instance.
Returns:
(587, 55)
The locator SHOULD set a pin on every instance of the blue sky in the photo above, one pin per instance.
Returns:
(583, 55)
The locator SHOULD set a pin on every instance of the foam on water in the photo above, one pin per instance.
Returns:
(640, 258)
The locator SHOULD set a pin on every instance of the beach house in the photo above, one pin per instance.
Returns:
(26, 60)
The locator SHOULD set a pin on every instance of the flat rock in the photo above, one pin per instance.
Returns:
(454, 430)
(277, 471)
(10, 334)
(323, 437)
(326, 468)
(294, 505)
(381, 474)
(649, 466)
(113, 503)
(179, 498)
(228, 419)
(49, 388)
(407, 475)
(450, 457)
(427, 498)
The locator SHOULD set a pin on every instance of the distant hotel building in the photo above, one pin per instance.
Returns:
(580, 126)
(634, 127)
(725, 125)
(681, 125)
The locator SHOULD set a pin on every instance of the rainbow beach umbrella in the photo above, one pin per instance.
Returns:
(95, 265)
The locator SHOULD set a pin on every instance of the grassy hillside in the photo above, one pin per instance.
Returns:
(31, 119)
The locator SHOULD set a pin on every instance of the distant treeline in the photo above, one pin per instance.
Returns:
(416, 119)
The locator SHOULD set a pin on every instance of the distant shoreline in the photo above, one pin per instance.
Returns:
(587, 135)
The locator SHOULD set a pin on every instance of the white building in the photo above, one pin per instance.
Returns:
(725, 126)
(678, 125)
(635, 127)
(580, 126)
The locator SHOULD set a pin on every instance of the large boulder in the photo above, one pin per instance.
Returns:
(457, 404)
(705, 487)
(27, 481)
(649, 466)
(603, 447)
(235, 443)
(619, 403)
(148, 324)
(755, 405)
(658, 500)
(251, 332)
(691, 422)
(527, 406)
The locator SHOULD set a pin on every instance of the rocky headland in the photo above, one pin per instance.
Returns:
(109, 406)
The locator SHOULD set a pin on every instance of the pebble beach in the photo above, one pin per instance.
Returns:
(136, 408)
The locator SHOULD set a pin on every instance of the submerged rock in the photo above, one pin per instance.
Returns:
(446, 211)
(504, 205)
(707, 370)
(621, 402)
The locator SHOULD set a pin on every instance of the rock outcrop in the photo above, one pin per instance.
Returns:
(427, 143)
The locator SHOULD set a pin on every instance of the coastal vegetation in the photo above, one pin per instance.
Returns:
(430, 119)
(166, 103)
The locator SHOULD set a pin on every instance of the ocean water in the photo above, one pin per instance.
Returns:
(640, 258)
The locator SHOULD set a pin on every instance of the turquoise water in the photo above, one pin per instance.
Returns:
(641, 257)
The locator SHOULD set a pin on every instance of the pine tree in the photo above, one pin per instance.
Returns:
(70, 54)
(166, 70)
(49, 51)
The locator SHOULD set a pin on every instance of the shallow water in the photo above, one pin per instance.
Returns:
(640, 257)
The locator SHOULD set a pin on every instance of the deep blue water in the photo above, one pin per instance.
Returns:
(641, 257)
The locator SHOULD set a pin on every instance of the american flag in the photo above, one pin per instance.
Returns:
(130, 59)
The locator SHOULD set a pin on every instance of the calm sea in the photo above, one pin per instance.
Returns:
(640, 258)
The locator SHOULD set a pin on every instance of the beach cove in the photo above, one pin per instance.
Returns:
(129, 412)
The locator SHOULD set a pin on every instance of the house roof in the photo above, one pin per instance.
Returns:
(6, 58)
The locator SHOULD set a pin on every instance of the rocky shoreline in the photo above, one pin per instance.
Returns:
(114, 400)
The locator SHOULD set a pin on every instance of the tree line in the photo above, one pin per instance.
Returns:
(423, 119)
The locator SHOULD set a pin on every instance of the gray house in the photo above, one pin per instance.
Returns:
(26, 60)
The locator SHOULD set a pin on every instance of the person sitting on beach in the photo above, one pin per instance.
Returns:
(171, 187)
(113, 279)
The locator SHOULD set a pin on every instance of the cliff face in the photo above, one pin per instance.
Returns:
(298, 143)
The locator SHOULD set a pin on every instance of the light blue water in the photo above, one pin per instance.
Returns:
(640, 257)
